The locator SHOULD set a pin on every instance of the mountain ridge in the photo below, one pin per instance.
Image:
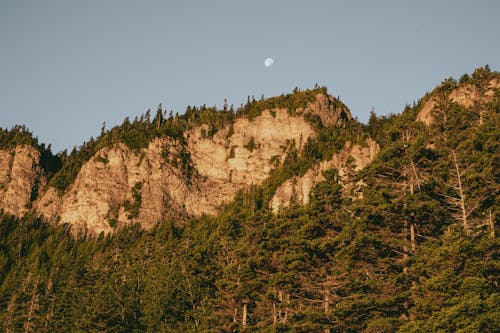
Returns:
(207, 155)
(407, 243)
(205, 164)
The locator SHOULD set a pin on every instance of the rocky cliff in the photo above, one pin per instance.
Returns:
(299, 189)
(241, 154)
(119, 185)
(465, 95)
(197, 172)
(19, 177)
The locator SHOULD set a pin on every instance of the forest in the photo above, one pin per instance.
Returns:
(416, 252)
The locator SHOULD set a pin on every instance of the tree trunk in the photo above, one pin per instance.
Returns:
(412, 225)
(406, 224)
(461, 193)
(287, 297)
(10, 310)
(48, 295)
(244, 316)
(412, 237)
(326, 303)
(491, 224)
(275, 314)
(416, 175)
(33, 306)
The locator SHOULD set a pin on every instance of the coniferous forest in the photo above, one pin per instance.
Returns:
(416, 252)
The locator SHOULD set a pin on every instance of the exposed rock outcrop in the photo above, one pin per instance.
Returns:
(331, 111)
(465, 95)
(19, 176)
(299, 189)
(118, 185)
(241, 154)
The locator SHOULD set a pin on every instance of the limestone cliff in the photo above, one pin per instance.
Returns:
(19, 177)
(299, 189)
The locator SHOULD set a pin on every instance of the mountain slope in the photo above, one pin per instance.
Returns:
(188, 172)
(401, 257)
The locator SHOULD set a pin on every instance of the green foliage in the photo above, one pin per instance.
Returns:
(293, 101)
(18, 135)
(102, 159)
(232, 152)
(133, 207)
(250, 144)
(138, 134)
(457, 292)
(113, 223)
(341, 263)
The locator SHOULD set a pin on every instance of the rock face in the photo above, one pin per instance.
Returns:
(465, 95)
(19, 176)
(118, 185)
(323, 106)
(299, 189)
(241, 154)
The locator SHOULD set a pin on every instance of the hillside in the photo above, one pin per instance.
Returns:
(180, 166)
(284, 215)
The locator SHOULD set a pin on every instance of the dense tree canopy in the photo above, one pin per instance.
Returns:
(417, 252)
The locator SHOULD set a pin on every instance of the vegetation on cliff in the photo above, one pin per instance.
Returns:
(138, 133)
(20, 135)
(417, 252)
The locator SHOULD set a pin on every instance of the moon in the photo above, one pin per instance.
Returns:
(268, 62)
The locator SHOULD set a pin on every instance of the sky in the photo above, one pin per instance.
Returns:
(68, 66)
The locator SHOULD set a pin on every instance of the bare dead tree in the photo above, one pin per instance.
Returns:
(462, 204)
(491, 224)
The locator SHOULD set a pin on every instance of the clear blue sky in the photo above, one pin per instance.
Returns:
(67, 66)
